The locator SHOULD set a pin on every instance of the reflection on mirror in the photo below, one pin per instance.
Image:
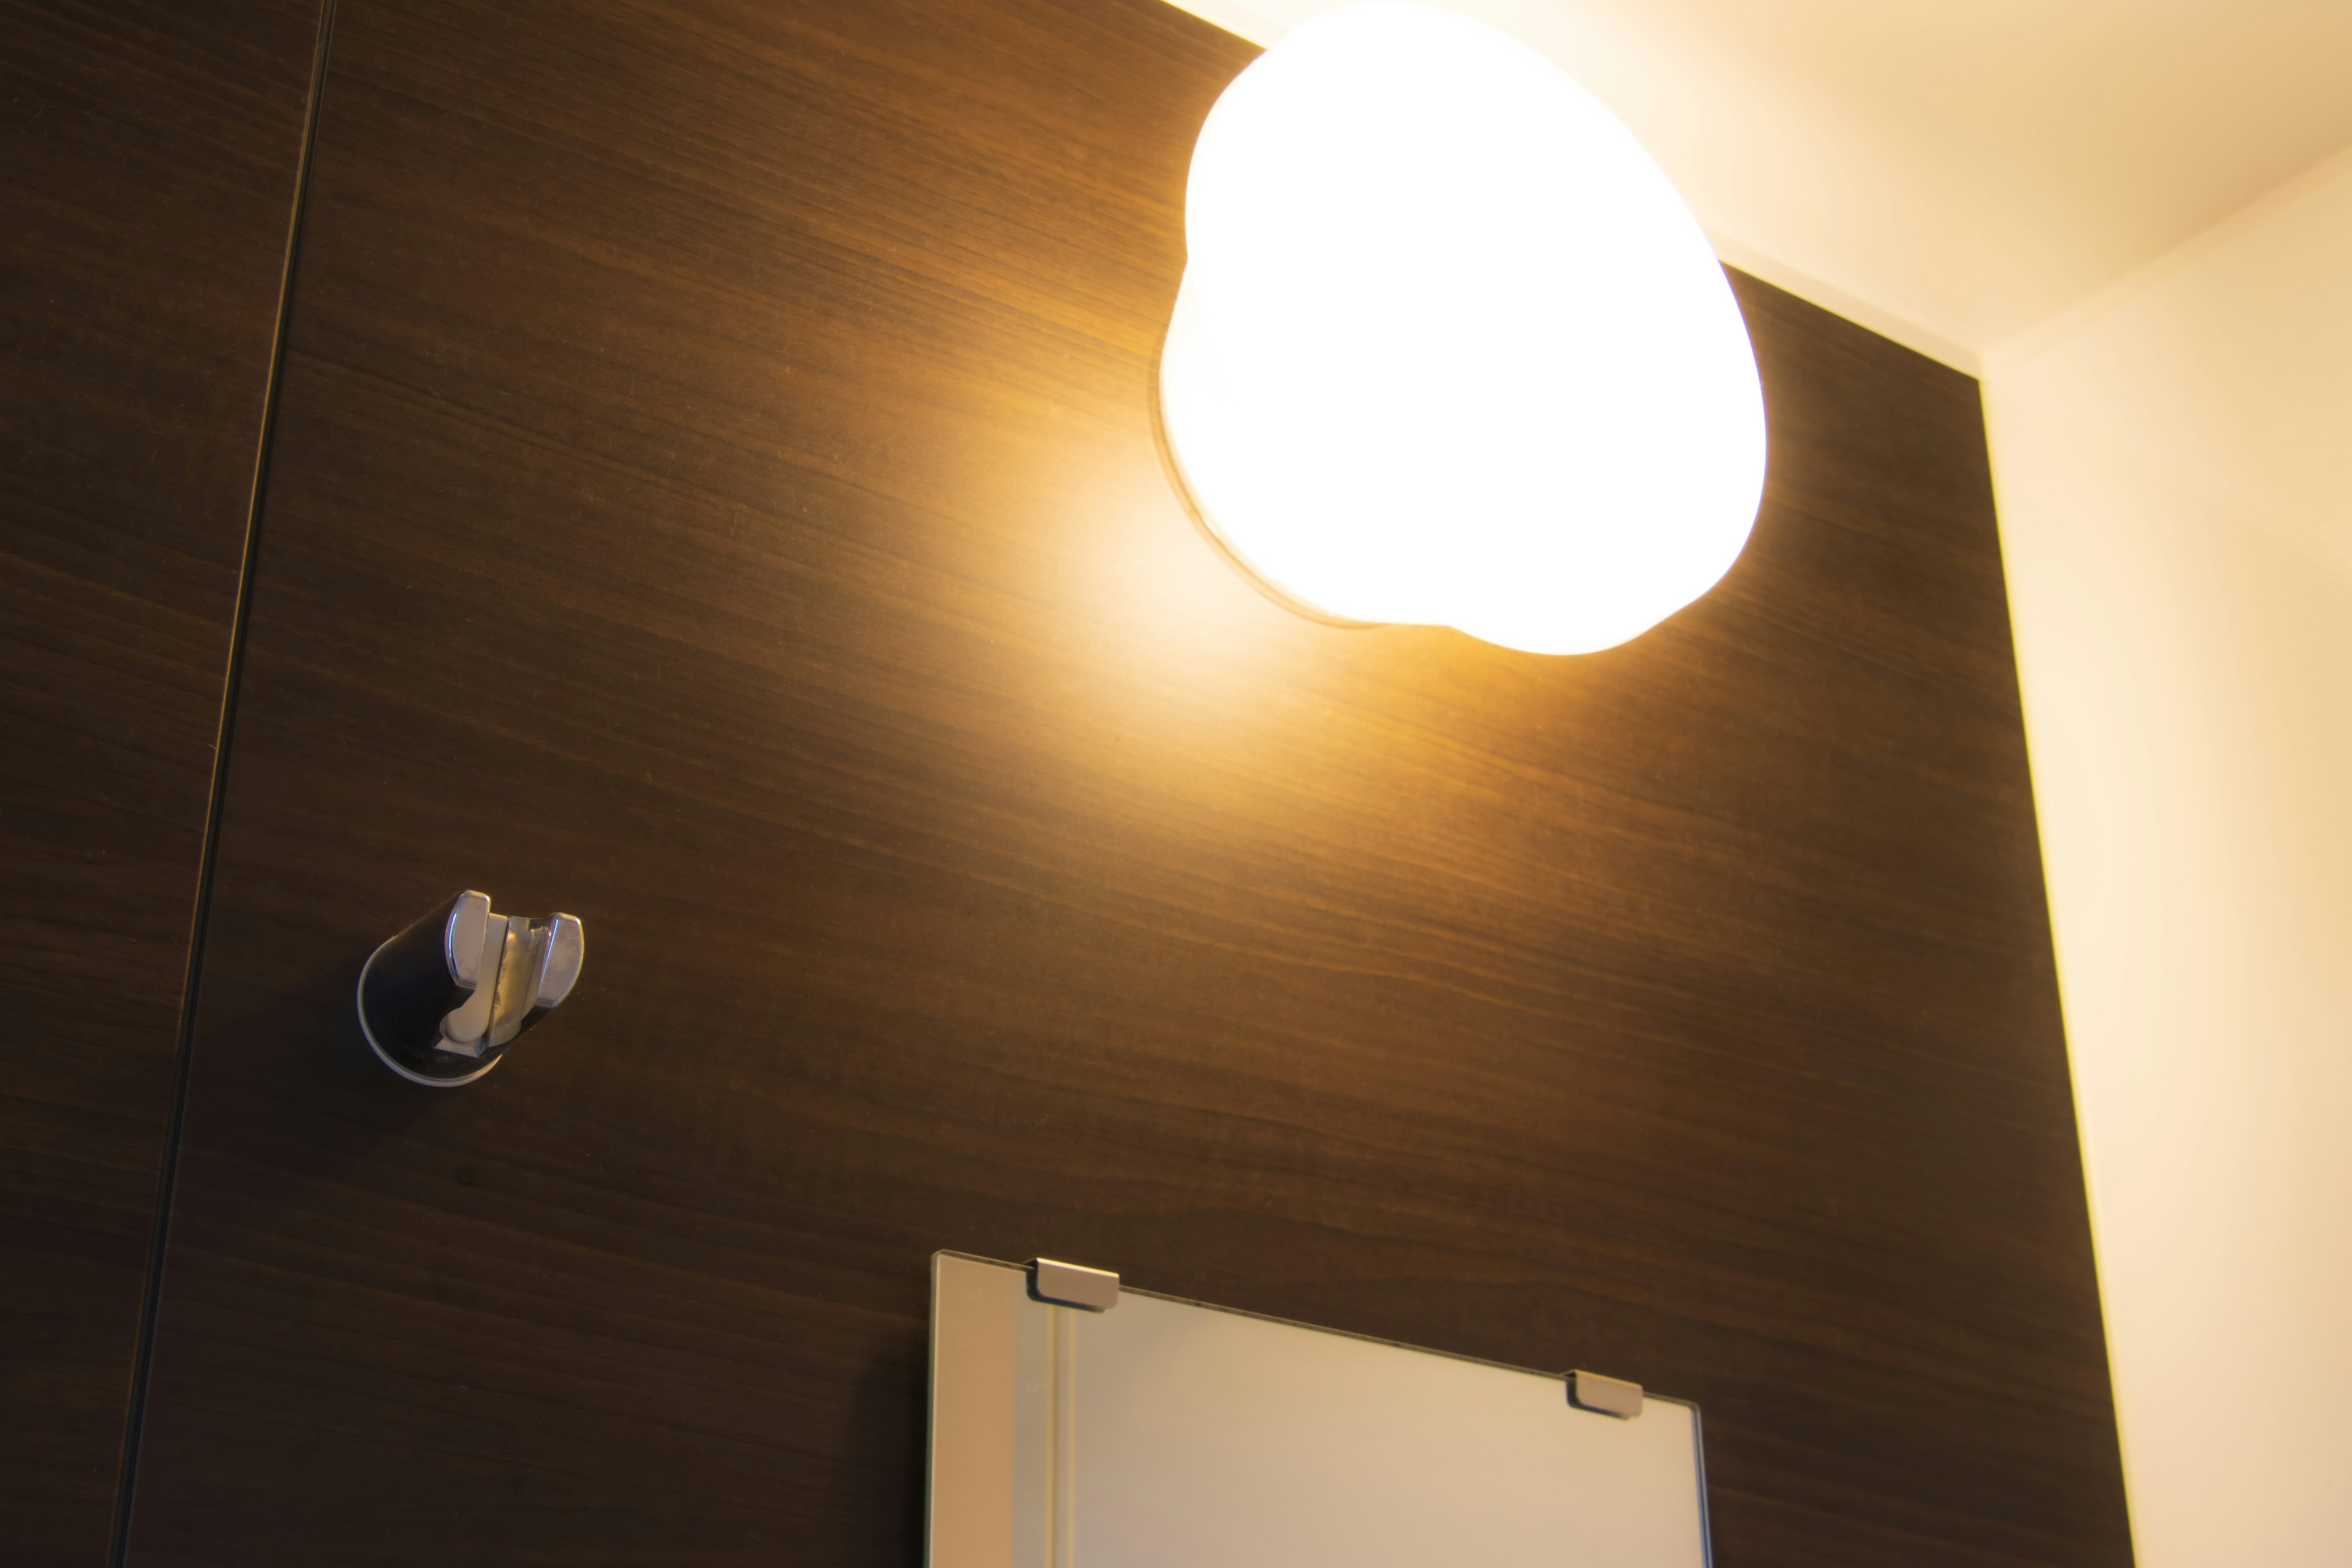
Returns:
(1161, 1433)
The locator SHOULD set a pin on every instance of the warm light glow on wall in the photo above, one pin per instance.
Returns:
(1449, 349)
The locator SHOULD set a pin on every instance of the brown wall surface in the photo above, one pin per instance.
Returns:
(150, 152)
(714, 494)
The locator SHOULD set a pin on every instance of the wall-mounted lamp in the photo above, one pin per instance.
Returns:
(1450, 349)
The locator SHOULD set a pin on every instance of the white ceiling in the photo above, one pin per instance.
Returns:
(1952, 173)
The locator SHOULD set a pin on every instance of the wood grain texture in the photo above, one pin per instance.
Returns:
(714, 495)
(150, 151)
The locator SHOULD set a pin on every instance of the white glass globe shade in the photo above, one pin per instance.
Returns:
(1449, 348)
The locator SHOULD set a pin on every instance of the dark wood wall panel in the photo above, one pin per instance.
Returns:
(149, 150)
(714, 494)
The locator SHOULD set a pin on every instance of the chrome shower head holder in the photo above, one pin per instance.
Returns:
(440, 1003)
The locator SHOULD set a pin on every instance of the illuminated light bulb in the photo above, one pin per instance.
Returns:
(1450, 350)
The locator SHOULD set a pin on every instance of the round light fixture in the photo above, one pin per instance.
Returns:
(1450, 349)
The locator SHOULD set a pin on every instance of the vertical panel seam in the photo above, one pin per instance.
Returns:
(159, 1231)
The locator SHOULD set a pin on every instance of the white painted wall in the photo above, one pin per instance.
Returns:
(2173, 463)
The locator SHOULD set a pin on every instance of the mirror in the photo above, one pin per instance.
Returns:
(1161, 1433)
